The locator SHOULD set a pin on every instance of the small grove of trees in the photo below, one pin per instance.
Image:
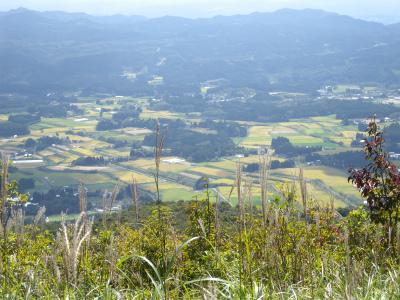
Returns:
(8, 129)
(57, 201)
(275, 164)
(43, 142)
(339, 160)
(232, 129)
(24, 118)
(89, 161)
(26, 183)
(195, 146)
(283, 146)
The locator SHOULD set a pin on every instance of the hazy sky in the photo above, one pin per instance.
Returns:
(204, 8)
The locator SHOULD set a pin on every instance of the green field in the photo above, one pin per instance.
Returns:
(304, 132)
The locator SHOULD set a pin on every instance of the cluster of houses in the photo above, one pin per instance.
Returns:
(356, 93)
(22, 153)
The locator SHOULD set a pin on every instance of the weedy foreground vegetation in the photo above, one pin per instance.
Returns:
(294, 247)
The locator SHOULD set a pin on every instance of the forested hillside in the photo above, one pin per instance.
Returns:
(305, 47)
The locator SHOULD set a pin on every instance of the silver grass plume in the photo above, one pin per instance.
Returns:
(134, 193)
(4, 185)
(104, 208)
(55, 249)
(114, 195)
(264, 162)
(70, 252)
(304, 195)
(83, 202)
(157, 153)
(18, 217)
(249, 185)
(201, 223)
(112, 259)
(217, 223)
(39, 216)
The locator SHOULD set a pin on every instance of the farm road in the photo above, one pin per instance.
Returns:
(46, 182)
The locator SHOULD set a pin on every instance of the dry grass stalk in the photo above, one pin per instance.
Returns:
(65, 246)
(38, 217)
(109, 202)
(217, 223)
(398, 238)
(249, 185)
(264, 162)
(4, 185)
(217, 230)
(201, 223)
(157, 153)
(304, 195)
(18, 217)
(70, 253)
(134, 193)
(55, 249)
(241, 192)
(112, 259)
(179, 261)
(83, 201)
(333, 205)
(104, 207)
(119, 214)
(114, 195)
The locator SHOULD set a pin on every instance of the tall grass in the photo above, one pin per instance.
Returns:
(292, 247)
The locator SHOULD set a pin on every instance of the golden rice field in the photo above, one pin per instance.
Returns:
(257, 141)
(225, 164)
(315, 131)
(54, 159)
(117, 152)
(87, 127)
(249, 123)
(329, 176)
(127, 176)
(346, 141)
(223, 181)
(259, 131)
(140, 163)
(69, 160)
(91, 179)
(69, 154)
(211, 171)
(227, 190)
(282, 128)
(166, 167)
(46, 153)
(330, 124)
(85, 152)
(165, 185)
(304, 140)
(146, 114)
(338, 150)
(311, 125)
(324, 118)
(179, 194)
(291, 124)
(92, 144)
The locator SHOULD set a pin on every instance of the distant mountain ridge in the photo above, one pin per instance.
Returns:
(287, 46)
(66, 16)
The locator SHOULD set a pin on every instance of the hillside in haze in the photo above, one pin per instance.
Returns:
(58, 50)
